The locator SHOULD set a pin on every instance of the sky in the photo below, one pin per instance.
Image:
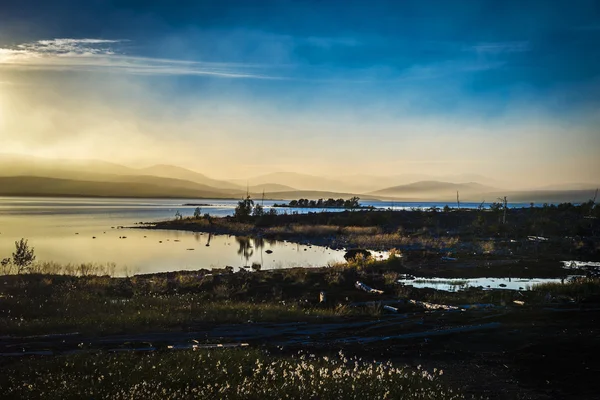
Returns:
(233, 89)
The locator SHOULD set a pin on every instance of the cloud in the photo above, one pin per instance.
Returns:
(70, 46)
(499, 47)
(328, 42)
(105, 55)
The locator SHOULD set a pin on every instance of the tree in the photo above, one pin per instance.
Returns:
(244, 208)
(197, 213)
(258, 210)
(352, 202)
(178, 215)
(23, 256)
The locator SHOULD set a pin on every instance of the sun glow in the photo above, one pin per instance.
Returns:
(2, 108)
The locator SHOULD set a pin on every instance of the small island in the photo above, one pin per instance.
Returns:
(352, 203)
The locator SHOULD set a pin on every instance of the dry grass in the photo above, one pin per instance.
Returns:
(219, 374)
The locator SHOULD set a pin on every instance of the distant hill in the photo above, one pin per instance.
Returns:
(37, 176)
(315, 195)
(294, 180)
(434, 190)
(15, 165)
(42, 186)
(547, 196)
(364, 183)
(271, 187)
(168, 178)
(571, 186)
(170, 171)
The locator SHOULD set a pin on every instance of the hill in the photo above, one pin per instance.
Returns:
(43, 186)
(435, 190)
(170, 171)
(295, 180)
(315, 195)
(271, 187)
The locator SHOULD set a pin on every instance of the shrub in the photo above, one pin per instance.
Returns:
(23, 256)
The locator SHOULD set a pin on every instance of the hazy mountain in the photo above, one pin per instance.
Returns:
(14, 165)
(435, 190)
(170, 171)
(547, 196)
(315, 195)
(363, 183)
(43, 186)
(571, 186)
(295, 180)
(25, 175)
(99, 171)
(271, 187)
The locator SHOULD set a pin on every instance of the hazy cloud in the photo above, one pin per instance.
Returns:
(104, 55)
(500, 47)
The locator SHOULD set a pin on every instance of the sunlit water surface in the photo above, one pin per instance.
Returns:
(86, 230)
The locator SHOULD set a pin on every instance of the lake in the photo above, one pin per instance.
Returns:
(85, 230)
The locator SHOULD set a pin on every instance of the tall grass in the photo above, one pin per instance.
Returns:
(577, 288)
(219, 374)
(80, 269)
(87, 312)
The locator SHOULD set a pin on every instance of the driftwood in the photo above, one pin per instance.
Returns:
(368, 289)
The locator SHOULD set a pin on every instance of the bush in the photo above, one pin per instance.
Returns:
(23, 256)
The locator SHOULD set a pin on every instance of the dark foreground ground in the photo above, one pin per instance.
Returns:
(498, 344)
(532, 354)
(539, 344)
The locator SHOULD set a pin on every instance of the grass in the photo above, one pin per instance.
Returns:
(468, 232)
(90, 313)
(577, 289)
(218, 374)
(44, 303)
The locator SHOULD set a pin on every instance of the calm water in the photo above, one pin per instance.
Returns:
(454, 285)
(63, 230)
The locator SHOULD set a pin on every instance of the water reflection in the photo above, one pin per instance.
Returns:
(454, 285)
(70, 239)
(245, 247)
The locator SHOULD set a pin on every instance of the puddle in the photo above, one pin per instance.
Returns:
(572, 264)
(454, 285)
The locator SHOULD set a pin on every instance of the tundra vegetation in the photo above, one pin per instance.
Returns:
(402, 326)
(549, 232)
(352, 203)
(221, 374)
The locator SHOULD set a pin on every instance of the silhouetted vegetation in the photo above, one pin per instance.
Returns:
(22, 258)
(220, 374)
(546, 232)
(352, 203)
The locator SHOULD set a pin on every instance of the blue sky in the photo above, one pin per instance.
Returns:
(321, 71)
